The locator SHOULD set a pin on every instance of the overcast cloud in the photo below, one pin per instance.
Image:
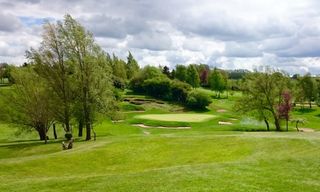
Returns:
(230, 34)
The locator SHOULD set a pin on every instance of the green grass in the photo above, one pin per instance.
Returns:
(207, 157)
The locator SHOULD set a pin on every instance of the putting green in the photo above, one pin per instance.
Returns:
(177, 117)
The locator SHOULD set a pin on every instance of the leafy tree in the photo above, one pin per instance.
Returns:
(217, 81)
(307, 89)
(148, 72)
(51, 63)
(262, 93)
(28, 102)
(181, 73)
(132, 66)
(92, 72)
(192, 76)
(285, 107)
(119, 72)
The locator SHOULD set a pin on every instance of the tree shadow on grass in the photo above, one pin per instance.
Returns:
(305, 110)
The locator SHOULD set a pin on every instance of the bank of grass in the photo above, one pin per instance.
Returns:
(216, 162)
(207, 157)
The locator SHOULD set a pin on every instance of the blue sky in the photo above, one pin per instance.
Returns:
(229, 34)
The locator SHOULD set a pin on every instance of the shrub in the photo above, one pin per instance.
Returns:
(179, 91)
(158, 87)
(198, 100)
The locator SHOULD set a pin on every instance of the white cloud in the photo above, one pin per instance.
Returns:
(228, 34)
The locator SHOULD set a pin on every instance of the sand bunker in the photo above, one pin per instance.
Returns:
(221, 110)
(159, 127)
(177, 117)
(224, 123)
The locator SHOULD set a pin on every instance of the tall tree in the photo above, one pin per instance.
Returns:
(181, 73)
(192, 76)
(92, 71)
(51, 63)
(132, 66)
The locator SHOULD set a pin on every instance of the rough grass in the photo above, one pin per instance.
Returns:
(185, 117)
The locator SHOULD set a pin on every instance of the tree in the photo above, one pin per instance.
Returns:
(262, 93)
(132, 66)
(192, 76)
(285, 107)
(181, 73)
(308, 88)
(217, 81)
(91, 69)
(52, 64)
(119, 72)
(166, 71)
(28, 102)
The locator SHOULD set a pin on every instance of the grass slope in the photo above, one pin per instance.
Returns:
(208, 157)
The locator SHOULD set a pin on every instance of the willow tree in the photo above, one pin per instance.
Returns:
(91, 70)
(28, 102)
(52, 64)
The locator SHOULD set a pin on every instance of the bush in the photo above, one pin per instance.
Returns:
(179, 91)
(198, 100)
(158, 87)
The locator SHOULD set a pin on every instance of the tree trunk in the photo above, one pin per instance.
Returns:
(88, 131)
(310, 105)
(277, 123)
(80, 128)
(42, 133)
(267, 124)
(297, 122)
(54, 131)
(287, 124)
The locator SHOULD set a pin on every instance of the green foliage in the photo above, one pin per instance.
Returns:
(198, 100)
(179, 91)
(262, 93)
(158, 87)
(132, 66)
(193, 76)
(218, 81)
(307, 89)
(148, 72)
(28, 102)
(181, 73)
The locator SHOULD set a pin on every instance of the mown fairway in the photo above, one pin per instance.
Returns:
(207, 157)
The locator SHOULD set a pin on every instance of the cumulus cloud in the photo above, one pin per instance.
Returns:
(228, 34)
(9, 22)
